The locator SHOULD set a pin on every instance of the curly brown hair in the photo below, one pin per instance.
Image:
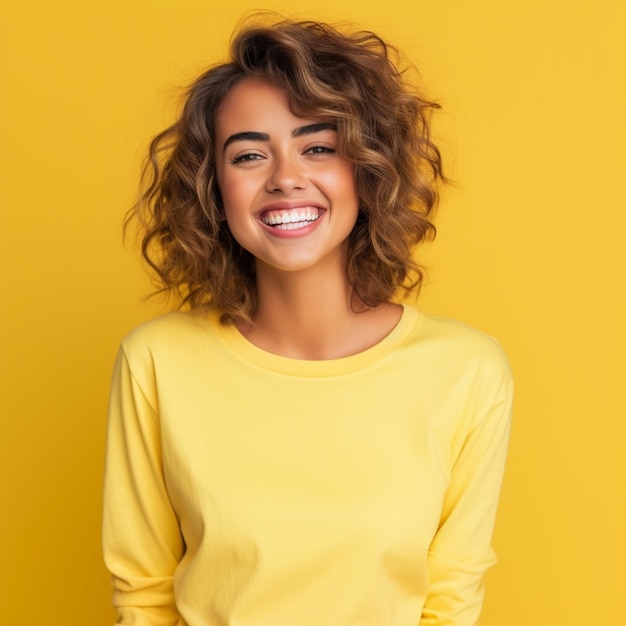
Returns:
(382, 127)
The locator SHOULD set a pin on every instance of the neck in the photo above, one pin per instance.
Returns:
(314, 316)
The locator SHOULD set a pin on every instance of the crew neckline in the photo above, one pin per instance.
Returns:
(251, 353)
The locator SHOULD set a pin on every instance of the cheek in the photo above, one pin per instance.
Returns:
(237, 201)
(346, 177)
(342, 183)
(238, 229)
(235, 193)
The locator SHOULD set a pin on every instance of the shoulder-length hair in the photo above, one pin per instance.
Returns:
(382, 127)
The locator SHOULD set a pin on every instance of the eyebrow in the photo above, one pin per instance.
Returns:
(301, 131)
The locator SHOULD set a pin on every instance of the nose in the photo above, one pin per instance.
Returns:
(286, 174)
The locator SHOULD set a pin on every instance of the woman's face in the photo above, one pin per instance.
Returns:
(289, 198)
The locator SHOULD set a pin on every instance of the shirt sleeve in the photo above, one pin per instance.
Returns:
(461, 550)
(141, 536)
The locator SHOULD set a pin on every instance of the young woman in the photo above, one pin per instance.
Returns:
(295, 447)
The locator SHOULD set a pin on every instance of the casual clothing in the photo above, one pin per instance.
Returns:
(249, 489)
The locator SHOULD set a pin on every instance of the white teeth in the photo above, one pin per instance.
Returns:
(299, 219)
(292, 226)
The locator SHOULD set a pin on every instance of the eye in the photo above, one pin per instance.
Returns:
(246, 157)
(320, 149)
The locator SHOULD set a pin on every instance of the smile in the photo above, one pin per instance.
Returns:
(291, 219)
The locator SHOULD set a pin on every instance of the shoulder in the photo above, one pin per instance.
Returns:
(167, 328)
(454, 334)
(166, 338)
(454, 346)
(468, 367)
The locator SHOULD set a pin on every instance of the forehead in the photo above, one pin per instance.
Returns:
(254, 105)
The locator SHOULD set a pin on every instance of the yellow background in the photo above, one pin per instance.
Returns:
(530, 249)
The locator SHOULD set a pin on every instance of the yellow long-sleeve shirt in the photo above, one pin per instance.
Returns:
(248, 489)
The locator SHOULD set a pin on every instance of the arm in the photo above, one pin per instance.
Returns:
(461, 550)
(141, 536)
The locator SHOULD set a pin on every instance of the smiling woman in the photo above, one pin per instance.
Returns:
(296, 447)
(289, 198)
(346, 81)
